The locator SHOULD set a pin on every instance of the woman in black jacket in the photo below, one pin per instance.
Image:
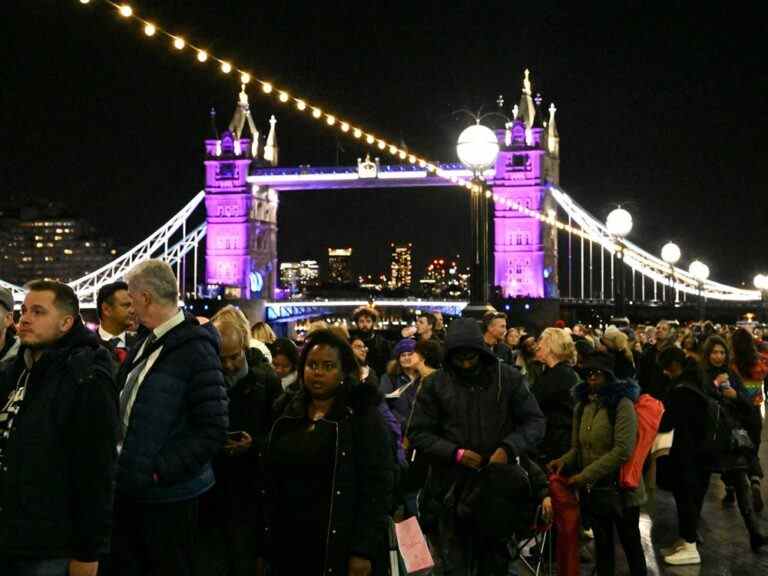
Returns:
(330, 471)
(553, 391)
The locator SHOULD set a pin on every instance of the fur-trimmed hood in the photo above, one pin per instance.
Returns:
(610, 394)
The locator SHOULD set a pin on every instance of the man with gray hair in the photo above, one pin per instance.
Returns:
(173, 412)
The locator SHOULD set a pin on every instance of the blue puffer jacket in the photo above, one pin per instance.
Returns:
(179, 419)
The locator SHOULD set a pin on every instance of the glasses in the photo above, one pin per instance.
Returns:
(322, 366)
(592, 372)
(360, 347)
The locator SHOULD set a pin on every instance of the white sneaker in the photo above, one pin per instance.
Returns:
(685, 555)
(672, 548)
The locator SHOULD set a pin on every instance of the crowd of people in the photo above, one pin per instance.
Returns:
(163, 443)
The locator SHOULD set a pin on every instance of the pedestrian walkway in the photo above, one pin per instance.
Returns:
(725, 551)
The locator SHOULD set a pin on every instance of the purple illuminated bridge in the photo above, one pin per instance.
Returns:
(243, 185)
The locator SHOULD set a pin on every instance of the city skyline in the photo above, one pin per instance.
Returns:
(645, 138)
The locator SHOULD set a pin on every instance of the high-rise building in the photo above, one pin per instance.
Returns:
(339, 265)
(298, 276)
(443, 277)
(401, 270)
(46, 241)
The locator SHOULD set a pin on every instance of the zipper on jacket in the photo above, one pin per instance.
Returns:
(333, 492)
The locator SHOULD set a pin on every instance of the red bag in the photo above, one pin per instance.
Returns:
(567, 524)
(649, 412)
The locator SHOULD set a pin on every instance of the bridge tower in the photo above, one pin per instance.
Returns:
(241, 242)
(525, 249)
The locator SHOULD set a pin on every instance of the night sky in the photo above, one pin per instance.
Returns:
(661, 109)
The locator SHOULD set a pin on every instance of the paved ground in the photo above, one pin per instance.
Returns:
(725, 551)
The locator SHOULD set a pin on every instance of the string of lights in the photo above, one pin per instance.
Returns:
(180, 44)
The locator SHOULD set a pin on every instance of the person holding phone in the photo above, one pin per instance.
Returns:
(231, 525)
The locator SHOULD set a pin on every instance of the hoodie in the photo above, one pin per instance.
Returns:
(481, 410)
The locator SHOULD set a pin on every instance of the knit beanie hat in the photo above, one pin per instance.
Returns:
(405, 345)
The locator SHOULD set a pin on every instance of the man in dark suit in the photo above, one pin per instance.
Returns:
(115, 309)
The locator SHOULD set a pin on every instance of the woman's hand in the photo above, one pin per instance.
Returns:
(359, 566)
(728, 393)
(546, 509)
(556, 467)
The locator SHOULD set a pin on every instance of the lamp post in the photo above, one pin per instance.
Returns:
(619, 225)
(700, 271)
(477, 148)
(761, 283)
(670, 253)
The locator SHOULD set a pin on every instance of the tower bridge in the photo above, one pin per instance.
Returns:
(545, 245)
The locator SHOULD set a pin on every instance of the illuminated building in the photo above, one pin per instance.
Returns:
(401, 270)
(44, 241)
(443, 277)
(298, 276)
(339, 266)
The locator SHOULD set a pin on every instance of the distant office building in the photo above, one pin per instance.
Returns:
(45, 241)
(298, 276)
(401, 267)
(339, 265)
(443, 277)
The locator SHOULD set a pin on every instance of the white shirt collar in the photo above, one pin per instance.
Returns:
(169, 324)
(106, 336)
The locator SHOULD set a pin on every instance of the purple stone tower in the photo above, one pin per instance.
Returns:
(525, 249)
(241, 241)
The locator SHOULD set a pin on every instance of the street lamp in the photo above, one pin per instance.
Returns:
(477, 148)
(619, 225)
(670, 253)
(761, 283)
(700, 272)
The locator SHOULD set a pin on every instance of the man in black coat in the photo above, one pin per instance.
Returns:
(173, 415)
(58, 438)
(475, 411)
(379, 350)
(231, 513)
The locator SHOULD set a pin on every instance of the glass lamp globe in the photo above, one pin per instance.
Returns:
(619, 222)
(699, 270)
(477, 147)
(761, 282)
(670, 253)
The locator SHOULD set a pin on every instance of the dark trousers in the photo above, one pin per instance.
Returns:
(739, 481)
(34, 566)
(689, 498)
(628, 527)
(153, 539)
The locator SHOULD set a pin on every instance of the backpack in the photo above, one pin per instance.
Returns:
(649, 411)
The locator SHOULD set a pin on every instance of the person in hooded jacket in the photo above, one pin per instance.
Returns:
(58, 439)
(173, 411)
(329, 470)
(473, 412)
(603, 438)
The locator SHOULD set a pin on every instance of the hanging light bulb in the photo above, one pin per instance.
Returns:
(150, 29)
(245, 77)
(266, 87)
(179, 43)
(126, 11)
(226, 67)
(202, 55)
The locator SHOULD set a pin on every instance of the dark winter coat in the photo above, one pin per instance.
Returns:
(604, 435)
(179, 419)
(490, 410)
(554, 393)
(651, 377)
(361, 483)
(56, 487)
(379, 351)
